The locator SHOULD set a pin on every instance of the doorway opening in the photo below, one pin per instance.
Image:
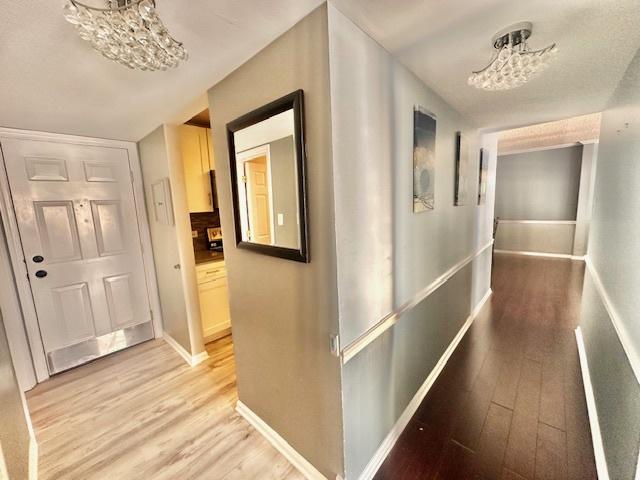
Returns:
(198, 163)
(544, 187)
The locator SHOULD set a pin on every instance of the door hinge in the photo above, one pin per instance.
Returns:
(244, 178)
(249, 234)
(131, 174)
(151, 315)
(334, 344)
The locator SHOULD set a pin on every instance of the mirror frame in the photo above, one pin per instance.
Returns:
(295, 101)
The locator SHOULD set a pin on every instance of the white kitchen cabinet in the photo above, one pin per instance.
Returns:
(197, 161)
(214, 300)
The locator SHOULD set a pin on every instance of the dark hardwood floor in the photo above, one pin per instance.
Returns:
(510, 403)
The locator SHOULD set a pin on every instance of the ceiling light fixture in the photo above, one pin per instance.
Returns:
(514, 63)
(128, 32)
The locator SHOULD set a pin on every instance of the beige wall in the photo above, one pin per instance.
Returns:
(172, 244)
(282, 312)
(14, 430)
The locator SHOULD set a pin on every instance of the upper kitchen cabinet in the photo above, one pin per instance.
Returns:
(197, 160)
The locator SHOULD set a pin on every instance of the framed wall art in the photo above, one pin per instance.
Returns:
(424, 159)
(461, 185)
(483, 176)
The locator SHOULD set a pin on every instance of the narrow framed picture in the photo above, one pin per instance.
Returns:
(483, 176)
(461, 182)
(424, 159)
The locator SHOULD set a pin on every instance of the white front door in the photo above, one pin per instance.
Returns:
(77, 221)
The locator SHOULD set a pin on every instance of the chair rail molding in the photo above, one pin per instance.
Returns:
(384, 324)
(541, 254)
(404, 419)
(539, 222)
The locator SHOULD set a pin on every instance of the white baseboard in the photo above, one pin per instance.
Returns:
(279, 443)
(542, 254)
(192, 360)
(4, 473)
(596, 436)
(33, 458)
(199, 358)
(215, 335)
(392, 437)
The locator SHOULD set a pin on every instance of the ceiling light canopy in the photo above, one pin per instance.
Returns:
(128, 32)
(513, 63)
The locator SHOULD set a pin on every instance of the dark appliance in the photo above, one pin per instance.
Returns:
(214, 189)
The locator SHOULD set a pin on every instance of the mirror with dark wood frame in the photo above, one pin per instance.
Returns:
(267, 166)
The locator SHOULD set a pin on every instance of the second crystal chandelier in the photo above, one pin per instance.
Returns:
(128, 32)
(514, 63)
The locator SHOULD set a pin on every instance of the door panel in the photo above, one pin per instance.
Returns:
(108, 227)
(48, 169)
(56, 225)
(74, 315)
(75, 207)
(99, 172)
(121, 309)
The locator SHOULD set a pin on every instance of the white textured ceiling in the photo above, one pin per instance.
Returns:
(50, 80)
(443, 41)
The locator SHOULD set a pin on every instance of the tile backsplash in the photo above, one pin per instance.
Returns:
(200, 222)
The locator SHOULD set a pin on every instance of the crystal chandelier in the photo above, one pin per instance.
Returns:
(513, 63)
(128, 32)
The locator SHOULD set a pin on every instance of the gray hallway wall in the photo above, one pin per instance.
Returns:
(610, 304)
(539, 185)
(386, 254)
(285, 194)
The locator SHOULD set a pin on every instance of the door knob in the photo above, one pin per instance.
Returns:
(41, 273)
(177, 266)
(38, 259)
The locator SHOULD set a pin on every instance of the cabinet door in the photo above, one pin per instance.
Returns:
(195, 160)
(214, 306)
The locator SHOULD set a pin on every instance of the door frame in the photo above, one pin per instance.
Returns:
(29, 322)
(244, 157)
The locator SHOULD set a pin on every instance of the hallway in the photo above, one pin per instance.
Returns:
(510, 403)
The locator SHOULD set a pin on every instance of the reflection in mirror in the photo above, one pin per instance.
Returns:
(267, 167)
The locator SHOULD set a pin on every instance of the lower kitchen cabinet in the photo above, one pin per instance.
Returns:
(214, 302)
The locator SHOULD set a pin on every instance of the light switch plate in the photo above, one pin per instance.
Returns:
(280, 219)
(334, 344)
(194, 234)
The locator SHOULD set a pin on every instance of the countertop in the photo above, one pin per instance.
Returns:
(206, 256)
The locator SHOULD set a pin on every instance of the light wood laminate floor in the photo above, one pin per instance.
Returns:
(143, 413)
